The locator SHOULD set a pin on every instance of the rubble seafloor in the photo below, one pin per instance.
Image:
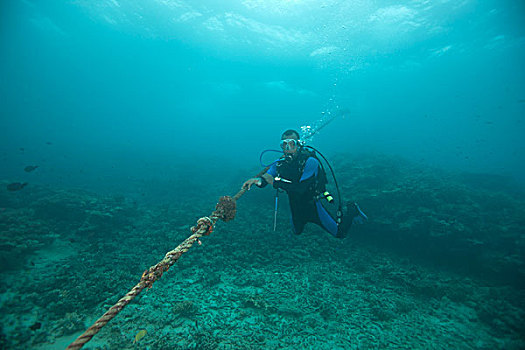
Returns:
(439, 265)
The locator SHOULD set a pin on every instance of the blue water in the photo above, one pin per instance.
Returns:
(99, 91)
(157, 108)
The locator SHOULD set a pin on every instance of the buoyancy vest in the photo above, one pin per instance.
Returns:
(292, 169)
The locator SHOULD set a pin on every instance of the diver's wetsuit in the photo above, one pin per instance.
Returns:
(304, 171)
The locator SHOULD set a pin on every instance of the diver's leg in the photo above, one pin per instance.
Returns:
(325, 220)
(299, 216)
(297, 225)
(353, 215)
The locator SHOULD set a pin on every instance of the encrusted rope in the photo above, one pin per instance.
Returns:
(224, 210)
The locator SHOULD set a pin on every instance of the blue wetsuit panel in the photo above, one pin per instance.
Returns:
(327, 220)
(273, 169)
(311, 168)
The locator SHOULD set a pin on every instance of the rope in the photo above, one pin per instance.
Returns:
(225, 210)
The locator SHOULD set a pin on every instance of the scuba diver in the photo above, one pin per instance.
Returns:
(301, 175)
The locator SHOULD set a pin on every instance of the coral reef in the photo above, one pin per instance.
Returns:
(440, 216)
(184, 308)
(439, 265)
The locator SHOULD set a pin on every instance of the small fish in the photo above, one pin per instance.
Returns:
(16, 186)
(36, 326)
(30, 168)
(49, 143)
(140, 335)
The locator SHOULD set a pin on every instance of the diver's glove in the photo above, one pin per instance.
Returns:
(359, 217)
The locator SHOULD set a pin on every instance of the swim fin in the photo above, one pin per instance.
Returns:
(358, 216)
(353, 215)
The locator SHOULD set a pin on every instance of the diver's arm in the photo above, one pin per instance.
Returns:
(265, 179)
(250, 182)
(268, 178)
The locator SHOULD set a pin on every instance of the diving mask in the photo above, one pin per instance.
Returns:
(289, 144)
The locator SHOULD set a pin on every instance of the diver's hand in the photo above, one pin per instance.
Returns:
(247, 185)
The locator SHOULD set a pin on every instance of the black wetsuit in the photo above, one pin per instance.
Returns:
(302, 179)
